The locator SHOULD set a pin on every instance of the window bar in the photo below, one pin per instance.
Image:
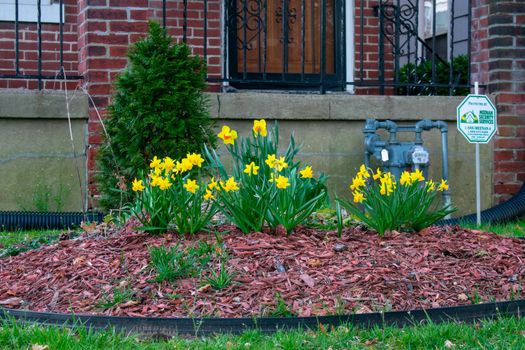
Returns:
(17, 44)
(469, 26)
(265, 39)
(205, 35)
(226, 44)
(164, 13)
(433, 45)
(416, 58)
(303, 37)
(361, 40)
(381, 62)
(39, 28)
(61, 27)
(245, 37)
(397, 31)
(451, 53)
(284, 18)
(184, 20)
(322, 87)
(312, 37)
(409, 55)
(342, 47)
(259, 54)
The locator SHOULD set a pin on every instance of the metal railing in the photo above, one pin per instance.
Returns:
(18, 73)
(395, 47)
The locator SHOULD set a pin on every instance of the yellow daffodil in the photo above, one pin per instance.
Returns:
(357, 183)
(406, 179)
(230, 185)
(191, 186)
(307, 172)
(431, 186)
(417, 176)
(227, 135)
(270, 160)
(358, 197)
(378, 174)
(155, 180)
(137, 185)
(251, 169)
(387, 185)
(213, 184)
(155, 163)
(195, 159)
(280, 164)
(443, 186)
(282, 182)
(259, 127)
(168, 164)
(363, 172)
(208, 195)
(164, 183)
(184, 165)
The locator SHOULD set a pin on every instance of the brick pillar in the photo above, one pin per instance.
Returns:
(105, 30)
(498, 60)
(368, 59)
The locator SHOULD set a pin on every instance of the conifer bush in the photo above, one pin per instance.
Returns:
(158, 109)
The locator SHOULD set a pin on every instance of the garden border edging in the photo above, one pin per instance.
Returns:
(157, 326)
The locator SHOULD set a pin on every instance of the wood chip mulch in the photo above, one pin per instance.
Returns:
(315, 273)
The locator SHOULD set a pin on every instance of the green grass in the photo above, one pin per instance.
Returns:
(504, 333)
(13, 243)
(511, 229)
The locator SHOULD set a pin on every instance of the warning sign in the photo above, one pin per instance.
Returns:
(476, 117)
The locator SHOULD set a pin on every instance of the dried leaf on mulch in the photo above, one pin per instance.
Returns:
(440, 266)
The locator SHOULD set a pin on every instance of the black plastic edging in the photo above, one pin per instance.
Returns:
(27, 220)
(156, 326)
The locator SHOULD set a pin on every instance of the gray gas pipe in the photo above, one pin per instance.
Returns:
(397, 156)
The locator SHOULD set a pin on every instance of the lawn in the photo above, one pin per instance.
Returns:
(504, 333)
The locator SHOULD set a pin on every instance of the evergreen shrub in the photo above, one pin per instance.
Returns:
(158, 109)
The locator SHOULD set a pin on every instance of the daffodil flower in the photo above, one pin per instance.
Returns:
(227, 135)
(208, 195)
(357, 183)
(406, 179)
(195, 159)
(213, 185)
(251, 169)
(417, 176)
(230, 185)
(191, 186)
(443, 186)
(377, 175)
(164, 183)
(363, 172)
(155, 163)
(137, 185)
(358, 197)
(259, 127)
(168, 164)
(306, 173)
(282, 182)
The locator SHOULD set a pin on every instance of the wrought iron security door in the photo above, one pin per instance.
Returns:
(277, 43)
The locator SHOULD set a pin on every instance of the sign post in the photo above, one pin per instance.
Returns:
(477, 121)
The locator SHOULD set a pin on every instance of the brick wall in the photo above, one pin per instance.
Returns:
(28, 50)
(367, 51)
(498, 60)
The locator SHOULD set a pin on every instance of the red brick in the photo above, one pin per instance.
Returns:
(512, 167)
(128, 27)
(107, 13)
(507, 188)
(503, 155)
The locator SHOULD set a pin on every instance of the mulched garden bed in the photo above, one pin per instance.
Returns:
(313, 271)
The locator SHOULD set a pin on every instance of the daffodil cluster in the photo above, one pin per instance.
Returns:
(391, 204)
(266, 186)
(173, 195)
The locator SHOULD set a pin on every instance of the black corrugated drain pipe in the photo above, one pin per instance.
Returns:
(23, 220)
(504, 212)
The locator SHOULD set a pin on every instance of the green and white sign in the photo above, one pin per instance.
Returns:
(477, 118)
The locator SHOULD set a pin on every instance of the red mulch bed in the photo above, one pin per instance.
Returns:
(440, 266)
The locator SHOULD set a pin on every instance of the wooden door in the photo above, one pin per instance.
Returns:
(261, 36)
